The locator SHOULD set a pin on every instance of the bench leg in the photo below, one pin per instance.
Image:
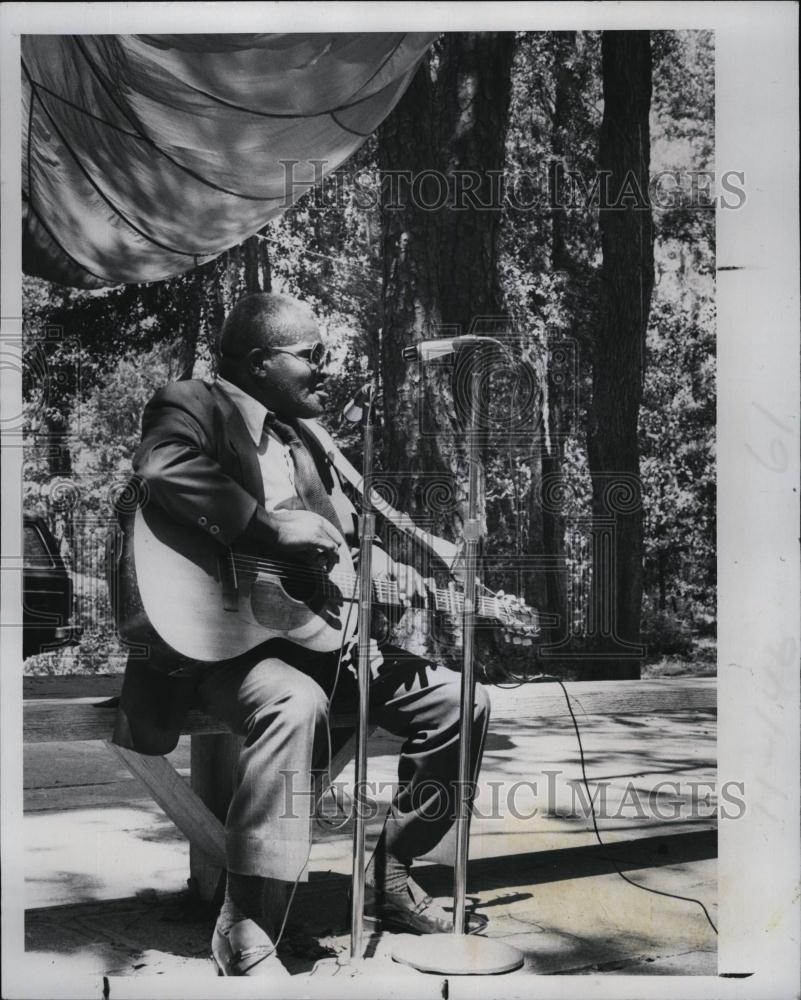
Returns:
(214, 758)
(199, 809)
(192, 816)
(344, 748)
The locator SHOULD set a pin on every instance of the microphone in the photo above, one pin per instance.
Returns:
(430, 350)
(354, 408)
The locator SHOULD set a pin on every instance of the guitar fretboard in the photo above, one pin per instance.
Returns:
(449, 600)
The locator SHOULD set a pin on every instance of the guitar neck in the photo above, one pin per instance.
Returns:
(449, 600)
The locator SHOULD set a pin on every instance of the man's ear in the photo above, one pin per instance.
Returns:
(254, 360)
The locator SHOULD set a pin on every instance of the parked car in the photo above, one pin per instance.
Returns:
(47, 595)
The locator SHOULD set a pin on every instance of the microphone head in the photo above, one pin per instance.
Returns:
(354, 409)
(353, 412)
(431, 350)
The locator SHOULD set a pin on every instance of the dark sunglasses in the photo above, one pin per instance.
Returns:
(317, 356)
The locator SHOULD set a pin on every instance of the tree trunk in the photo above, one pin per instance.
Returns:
(62, 499)
(410, 300)
(559, 383)
(447, 133)
(439, 254)
(59, 453)
(473, 91)
(627, 276)
(250, 251)
(257, 277)
(191, 292)
(564, 103)
(264, 264)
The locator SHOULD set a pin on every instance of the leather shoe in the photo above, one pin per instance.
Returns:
(411, 911)
(246, 950)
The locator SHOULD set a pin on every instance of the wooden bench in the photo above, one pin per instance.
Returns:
(71, 708)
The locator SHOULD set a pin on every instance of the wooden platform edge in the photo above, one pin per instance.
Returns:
(50, 715)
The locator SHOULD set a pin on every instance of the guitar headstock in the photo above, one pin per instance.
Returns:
(519, 623)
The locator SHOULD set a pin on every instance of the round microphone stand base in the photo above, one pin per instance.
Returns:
(456, 954)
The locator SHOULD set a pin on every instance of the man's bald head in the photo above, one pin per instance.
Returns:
(262, 346)
(264, 320)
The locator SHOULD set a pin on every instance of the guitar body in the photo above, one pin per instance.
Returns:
(178, 593)
(209, 603)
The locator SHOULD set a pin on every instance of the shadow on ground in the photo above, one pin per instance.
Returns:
(156, 933)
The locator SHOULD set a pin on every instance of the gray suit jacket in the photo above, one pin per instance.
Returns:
(198, 462)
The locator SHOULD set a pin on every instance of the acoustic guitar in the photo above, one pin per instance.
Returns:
(209, 602)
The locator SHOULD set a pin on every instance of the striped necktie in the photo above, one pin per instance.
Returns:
(308, 484)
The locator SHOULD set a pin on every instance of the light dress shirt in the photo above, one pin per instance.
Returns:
(275, 458)
(278, 475)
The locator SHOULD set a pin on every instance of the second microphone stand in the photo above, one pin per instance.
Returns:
(365, 592)
(458, 953)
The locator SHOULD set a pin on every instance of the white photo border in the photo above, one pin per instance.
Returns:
(757, 474)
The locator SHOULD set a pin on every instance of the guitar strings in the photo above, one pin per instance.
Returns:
(445, 598)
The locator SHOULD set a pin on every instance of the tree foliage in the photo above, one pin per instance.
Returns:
(94, 358)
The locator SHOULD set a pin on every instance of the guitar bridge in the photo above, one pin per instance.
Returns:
(229, 582)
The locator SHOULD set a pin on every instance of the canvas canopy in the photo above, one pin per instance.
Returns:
(144, 155)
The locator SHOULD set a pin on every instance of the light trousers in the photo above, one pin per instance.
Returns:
(281, 710)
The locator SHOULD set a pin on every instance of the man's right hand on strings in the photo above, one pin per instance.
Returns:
(299, 535)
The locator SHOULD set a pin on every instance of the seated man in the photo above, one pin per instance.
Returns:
(231, 458)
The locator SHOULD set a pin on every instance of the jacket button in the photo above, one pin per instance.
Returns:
(202, 521)
(215, 529)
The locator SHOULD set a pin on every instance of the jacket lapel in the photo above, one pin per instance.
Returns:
(240, 444)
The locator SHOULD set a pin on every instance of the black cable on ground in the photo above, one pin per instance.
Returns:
(645, 888)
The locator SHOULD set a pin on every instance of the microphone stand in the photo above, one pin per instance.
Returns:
(366, 537)
(472, 544)
(458, 953)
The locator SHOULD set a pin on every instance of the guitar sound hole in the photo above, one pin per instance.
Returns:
(316, 591)
(301, 585)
